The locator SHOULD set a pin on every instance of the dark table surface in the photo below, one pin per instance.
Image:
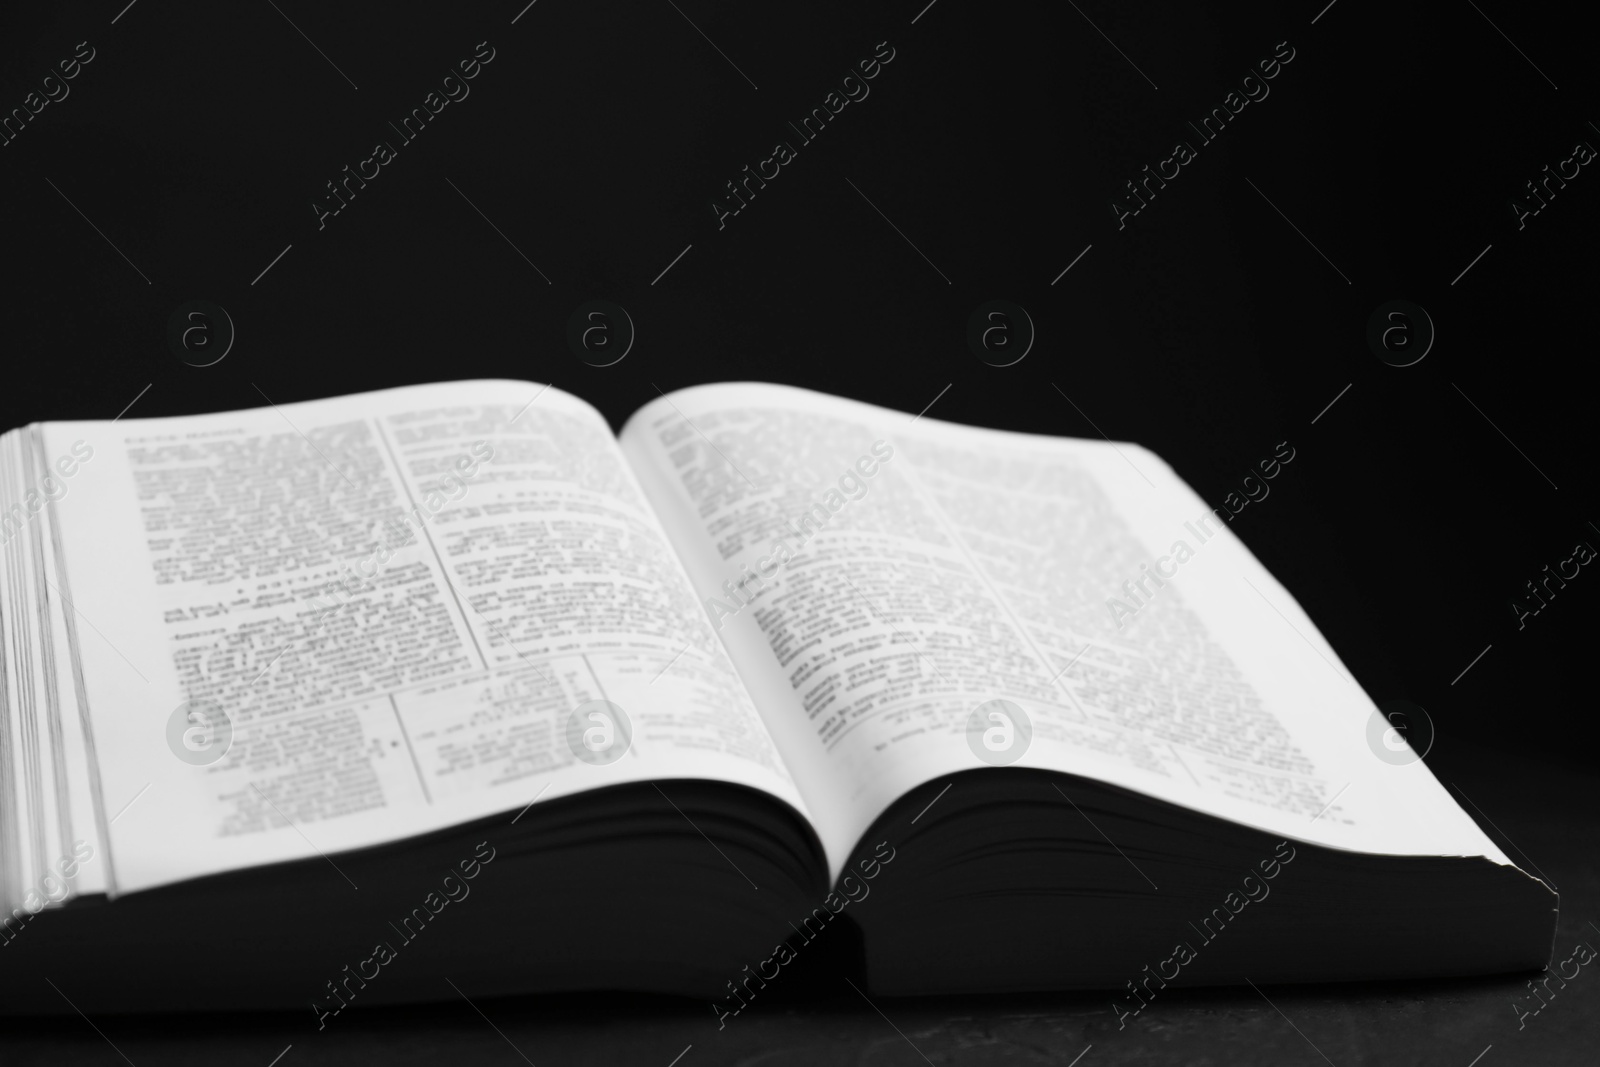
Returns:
(1543, 815)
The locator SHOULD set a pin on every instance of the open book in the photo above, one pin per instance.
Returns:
(335, 701)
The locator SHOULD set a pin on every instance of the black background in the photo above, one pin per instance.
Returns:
(1221, 320)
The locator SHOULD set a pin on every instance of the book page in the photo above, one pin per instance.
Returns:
(49, 844)
(319, 626)
(878, 578)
